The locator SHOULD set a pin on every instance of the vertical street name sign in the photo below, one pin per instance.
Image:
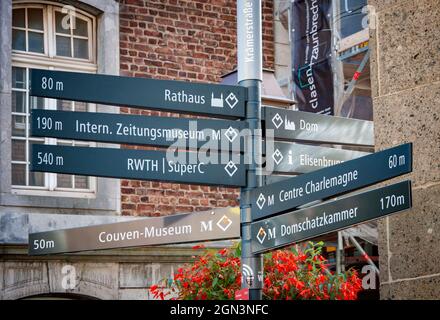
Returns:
(193, 168)
(249, 40)
(177, 96)
(140, 130)
(217, 224)
(305, 126)
(289, 157)
(324, 183)
(297, 226)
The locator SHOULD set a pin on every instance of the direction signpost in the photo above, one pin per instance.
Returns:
(324, 183)
(138, 164)
(192, 161)
(178, 96)
(308, 223)
(289, 157)
(217, 224)
(139, 130)
(305, 126)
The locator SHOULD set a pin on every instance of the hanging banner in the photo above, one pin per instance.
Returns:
(311, 49)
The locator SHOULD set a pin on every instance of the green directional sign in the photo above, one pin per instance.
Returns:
(305, 126)
(217, 224)
(290, 193)
(185, 167)
(140, 130)
(308, 223)
(178, 96)
(286, 157)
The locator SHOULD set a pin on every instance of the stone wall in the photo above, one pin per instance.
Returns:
(180, 40)
(100, 276)
(405, 67)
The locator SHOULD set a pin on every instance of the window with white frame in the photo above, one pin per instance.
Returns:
(47, 36)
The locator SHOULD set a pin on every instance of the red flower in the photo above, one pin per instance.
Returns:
(267, 282)
(288, 274)
(199, 246)
(153, 288)
(320, 279)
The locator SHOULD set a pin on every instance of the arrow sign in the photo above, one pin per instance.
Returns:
(331, 216)
(299, 158)
(305, 126)
(140, 130)
(324, 183)
(178, 96)
(139, 164)
(217, 224)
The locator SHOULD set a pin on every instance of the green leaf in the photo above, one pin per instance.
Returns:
(237, 251)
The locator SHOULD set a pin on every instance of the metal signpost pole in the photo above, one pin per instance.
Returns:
(250, 75)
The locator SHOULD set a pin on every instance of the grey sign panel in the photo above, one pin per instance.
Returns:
(274, 178)
(289, 157)
(140, 130)
(305, 126)
(217, 224)
(327, 182)
(178, 96)
(297, 226)
(140, 164)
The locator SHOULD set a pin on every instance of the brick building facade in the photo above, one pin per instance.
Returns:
(181, 40)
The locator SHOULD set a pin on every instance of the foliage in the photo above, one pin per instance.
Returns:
(288, 274)
(293, 274)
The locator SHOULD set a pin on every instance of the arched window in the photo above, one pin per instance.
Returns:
(46, 35)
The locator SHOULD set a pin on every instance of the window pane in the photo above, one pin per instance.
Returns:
(81, 48)
(36, 42)
(18, 150)
(19, 126)
(18, 78)
(35, 18)
(35, 178)
(18, 174)
(18, 101)
(64, 181)
(62, 23)
(18, 18)
(351, 21)
(80, 28)
(18, 40)
(81, 182)
(80, 106)
(63, 46)
(64, 105)
(36, 102)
